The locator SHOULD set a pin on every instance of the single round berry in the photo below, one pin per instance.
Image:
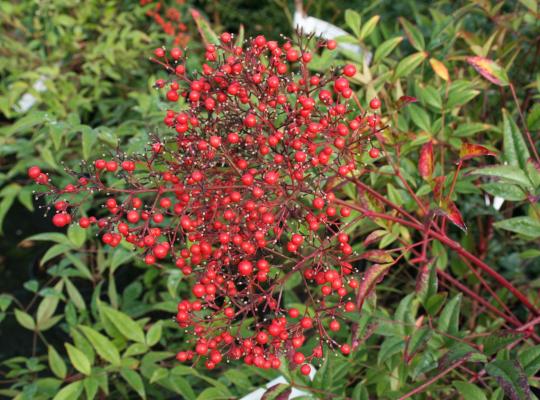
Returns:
(34, 172)
(375, 104)
(349, 70)
(305, 369)
(374, 152)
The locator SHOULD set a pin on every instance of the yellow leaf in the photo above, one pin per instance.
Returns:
(439, 69)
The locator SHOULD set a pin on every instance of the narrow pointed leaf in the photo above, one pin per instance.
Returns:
(516, 152)
(469, 150)
(372, 276)
(104, 347)
(490, 70)
(413, 34)
(409, 64)
(511, 377)
(57, 364)
(127, 326)
(450, 211)
(206, 32)
(440, 69)
(425, 161)
(78, 360)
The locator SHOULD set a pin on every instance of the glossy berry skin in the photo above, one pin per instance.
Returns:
(375, 104)
(305, 369)
(34, 172)
(349, 70)
(374, 153)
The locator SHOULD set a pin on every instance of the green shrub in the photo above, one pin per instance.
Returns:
(100, 320)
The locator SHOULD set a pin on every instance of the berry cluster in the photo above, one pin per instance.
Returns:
(169, 19)
(241, 196)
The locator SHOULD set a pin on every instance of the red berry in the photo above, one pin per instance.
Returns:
(34, 172)
(245, 268)
(349, 70)
(176, 53)
(305, 369)
(292, 55)
(375, 104)
(374, 152)
(225, 37)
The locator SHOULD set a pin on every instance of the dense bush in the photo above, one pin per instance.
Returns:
(450, 301)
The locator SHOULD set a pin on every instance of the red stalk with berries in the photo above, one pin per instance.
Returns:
(244, 194)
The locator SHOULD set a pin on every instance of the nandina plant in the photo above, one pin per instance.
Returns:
(244, 194)
(239, 194)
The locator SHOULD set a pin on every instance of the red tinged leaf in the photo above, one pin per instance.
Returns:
(206, 32)
(490, 70)
(425, 161)
(439, 186)
(372, 276)
(450, 211)
(404, 100)
(374, 237)
(469, 150)
(378, 256)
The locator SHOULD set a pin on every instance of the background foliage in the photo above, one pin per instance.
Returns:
(78, 319)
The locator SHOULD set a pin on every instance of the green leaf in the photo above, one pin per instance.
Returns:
(159, 374)
(104, 347)
(533, 118)
(154, 334)
(391, 345)
(523, 225)
(465, 130)
(79, 360)
(57, 364)
(205, 30)
(386, 47)
(449, 318)
(212, 394)
(530, 359)
(420, 117)
(89, 139)
(469, 391)
(369, 26)
(50, 237)
(516, 152)
(25, 320)
(533, 172)
(360, 392)
(499, 340)
(505, 172)
(75, 295)
(407, 65)
(507, 192)
(511, 377)
(125, 325)
(413, 34)
(25, 123)
(76, 235)
(91, 386)
(70, 392)
(48, 305)
(353, 21)
(134, 380)
(240, 36)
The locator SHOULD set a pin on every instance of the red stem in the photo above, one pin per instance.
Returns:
(453, 246)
